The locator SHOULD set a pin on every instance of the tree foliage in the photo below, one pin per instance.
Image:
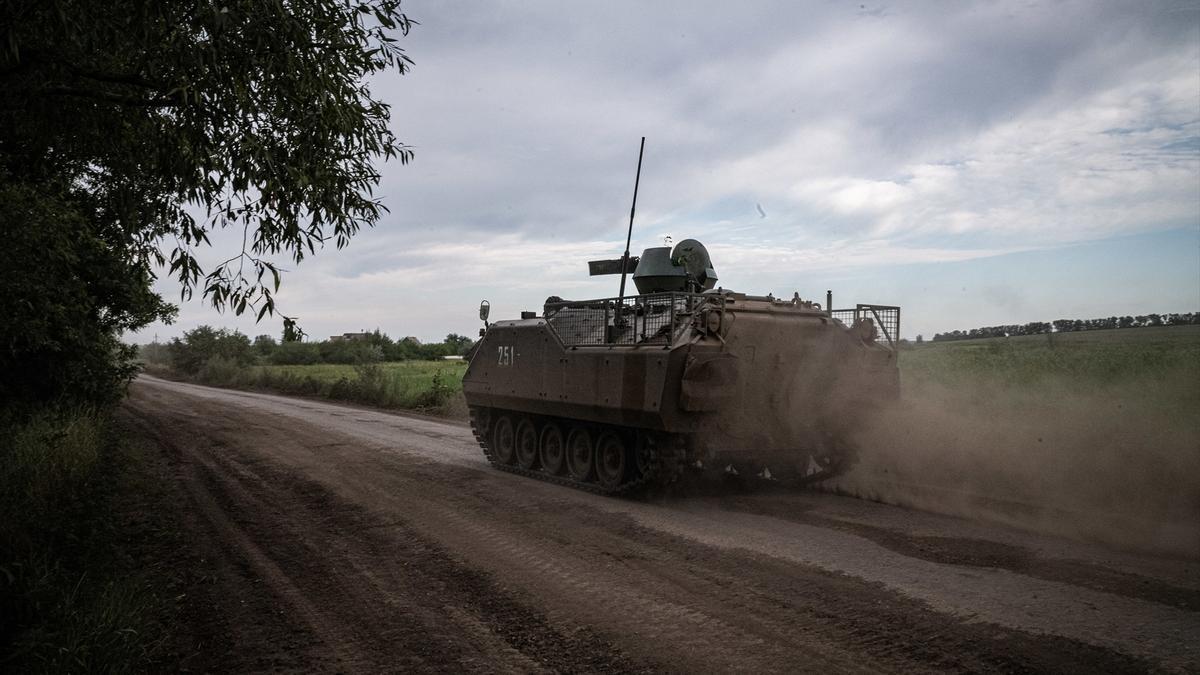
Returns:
(459, 343)
(203, 344)
(131, 131)
(265, 345)
(66, 293)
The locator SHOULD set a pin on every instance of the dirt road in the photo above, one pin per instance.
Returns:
(332, 538)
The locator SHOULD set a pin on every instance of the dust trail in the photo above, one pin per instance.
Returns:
(1115, 463)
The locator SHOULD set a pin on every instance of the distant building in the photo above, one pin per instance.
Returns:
(349, 337)
(412, 341)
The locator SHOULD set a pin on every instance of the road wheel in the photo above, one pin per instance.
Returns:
(579, 454)
(552, 449)
(644, 454)
(527, 444)
(504, 440)
(610, 460)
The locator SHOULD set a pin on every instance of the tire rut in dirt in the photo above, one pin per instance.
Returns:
(702, 607)
(671, 601)
(983, 553)
(233, 623)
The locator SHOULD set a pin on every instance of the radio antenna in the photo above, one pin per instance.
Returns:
(629, 235)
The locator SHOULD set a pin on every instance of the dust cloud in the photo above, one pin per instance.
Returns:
(1116, 464)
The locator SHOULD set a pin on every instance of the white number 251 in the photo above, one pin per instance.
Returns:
(505, 353)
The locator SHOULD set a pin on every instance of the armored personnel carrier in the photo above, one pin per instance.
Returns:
(613, 394)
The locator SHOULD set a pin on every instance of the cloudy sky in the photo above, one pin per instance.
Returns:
(975, 164)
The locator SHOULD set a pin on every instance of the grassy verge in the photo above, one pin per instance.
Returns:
(74, 593)
(430, 386)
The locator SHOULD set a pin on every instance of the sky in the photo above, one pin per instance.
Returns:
(976, 164)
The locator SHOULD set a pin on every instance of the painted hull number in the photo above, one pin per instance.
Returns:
(505, 354)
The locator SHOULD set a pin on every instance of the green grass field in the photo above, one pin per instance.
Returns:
(1086, 358)
(415, 375)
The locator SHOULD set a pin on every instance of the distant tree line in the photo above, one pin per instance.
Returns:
(1071, 326)
(190, 354)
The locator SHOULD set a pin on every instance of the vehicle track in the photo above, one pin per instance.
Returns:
(391, 544)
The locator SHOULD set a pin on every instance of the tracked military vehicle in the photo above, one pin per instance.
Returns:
(613, 394)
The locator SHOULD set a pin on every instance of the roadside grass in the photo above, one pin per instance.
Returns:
(414, 375)
(72, 598)
(429, 386)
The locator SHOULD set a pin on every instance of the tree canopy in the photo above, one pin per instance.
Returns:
(129, 131)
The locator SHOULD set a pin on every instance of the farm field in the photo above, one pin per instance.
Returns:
(1121, 359)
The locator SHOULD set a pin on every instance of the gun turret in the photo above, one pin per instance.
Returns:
(661, 269)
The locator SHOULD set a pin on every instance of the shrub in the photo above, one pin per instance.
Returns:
(296, 354)
(189, 355)
(220, 371)
(43, 461)
(264, 346)
(349, 352)
(437, 394)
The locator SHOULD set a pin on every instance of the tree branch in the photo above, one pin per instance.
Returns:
(111, 97)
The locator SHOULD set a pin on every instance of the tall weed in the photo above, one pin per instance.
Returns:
(65, 604)
(220, 371)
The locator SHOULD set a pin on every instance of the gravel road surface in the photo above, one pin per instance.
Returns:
(333, 538)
